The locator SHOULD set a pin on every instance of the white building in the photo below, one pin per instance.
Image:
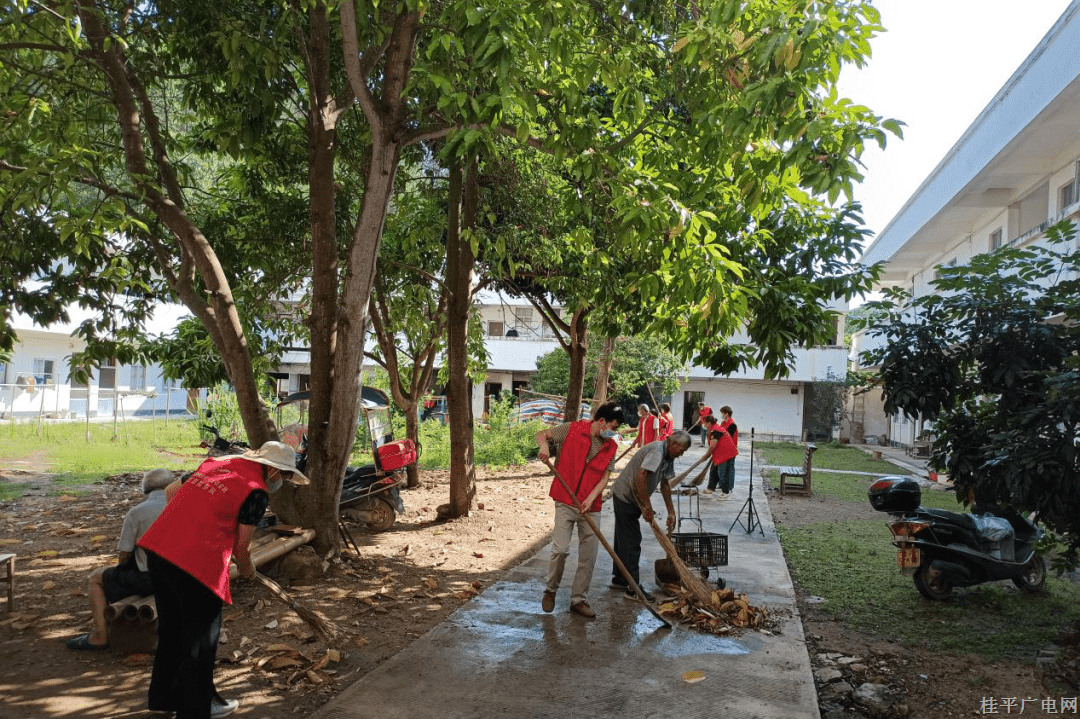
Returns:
(1011, 174)
(36, 381)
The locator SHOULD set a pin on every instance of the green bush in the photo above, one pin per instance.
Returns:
(502, 442)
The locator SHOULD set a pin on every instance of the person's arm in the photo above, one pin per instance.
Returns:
(596, 491)
(123, 558)
(542, 442)
(640, 492)
(242, 550)
(665, 491)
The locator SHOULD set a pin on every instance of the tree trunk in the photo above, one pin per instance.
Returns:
(603, 373)
(577, 348)
(412, 431)
(461, 217)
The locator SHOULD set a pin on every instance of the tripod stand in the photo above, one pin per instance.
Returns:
(753, 521)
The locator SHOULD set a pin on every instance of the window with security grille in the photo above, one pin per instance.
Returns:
(495, 329)
(523, 318)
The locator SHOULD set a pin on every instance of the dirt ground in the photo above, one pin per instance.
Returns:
(403, 582)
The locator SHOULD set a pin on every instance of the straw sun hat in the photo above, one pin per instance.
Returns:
(279, 456)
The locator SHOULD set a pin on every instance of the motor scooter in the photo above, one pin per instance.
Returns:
(221, 446)
(371, 493)
(941, 550)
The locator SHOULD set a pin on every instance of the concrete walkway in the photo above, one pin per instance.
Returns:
(501, 656)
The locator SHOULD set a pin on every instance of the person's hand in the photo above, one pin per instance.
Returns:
(670, 523)
(543, 455)
(647, 514)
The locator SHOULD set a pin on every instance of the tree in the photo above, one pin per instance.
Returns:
(637, 361)
(699, 120)
(992, 358)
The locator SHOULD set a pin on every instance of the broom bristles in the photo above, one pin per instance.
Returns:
(323, 626)
(695, 585)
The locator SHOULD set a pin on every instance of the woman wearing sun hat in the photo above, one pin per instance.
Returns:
(208, 520)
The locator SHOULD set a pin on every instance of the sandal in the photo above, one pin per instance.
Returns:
(82, 643)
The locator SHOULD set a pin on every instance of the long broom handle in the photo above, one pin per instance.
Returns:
(681, 477)
(618, 562)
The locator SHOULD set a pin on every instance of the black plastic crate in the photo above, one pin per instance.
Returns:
(701, 549)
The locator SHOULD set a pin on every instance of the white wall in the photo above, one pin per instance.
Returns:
(767, 407)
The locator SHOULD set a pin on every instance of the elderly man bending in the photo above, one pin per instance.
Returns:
(130, 575)
(650, 467)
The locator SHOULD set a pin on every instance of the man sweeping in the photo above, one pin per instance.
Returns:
(586, 457)
(630, 496)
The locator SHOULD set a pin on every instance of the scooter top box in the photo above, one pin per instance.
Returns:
(394, 455)
(895, 494)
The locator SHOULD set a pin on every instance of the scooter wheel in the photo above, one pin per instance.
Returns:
(1033, 576)
(932, 584)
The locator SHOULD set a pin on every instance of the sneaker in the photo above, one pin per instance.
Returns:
(707, 491)
(583, 609)
(630, 594)
(619, 583)
(223, 710)
(724, 495)
(548, 602)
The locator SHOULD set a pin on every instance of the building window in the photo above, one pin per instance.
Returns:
(1066, 195)
(937, 270)
(138, 377)
(523, 318)
(495, 329)
(107, 374)
(995, 239)
(43, 371)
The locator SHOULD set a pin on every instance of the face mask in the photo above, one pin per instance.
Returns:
(275, 485)
(608, 433)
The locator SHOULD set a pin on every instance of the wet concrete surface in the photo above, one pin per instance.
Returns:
(502, 656)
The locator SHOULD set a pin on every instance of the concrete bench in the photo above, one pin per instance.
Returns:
(802, 474)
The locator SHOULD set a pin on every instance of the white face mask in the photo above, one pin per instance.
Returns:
(608, 433)
(274, 485)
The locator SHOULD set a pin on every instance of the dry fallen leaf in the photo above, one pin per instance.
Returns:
(692, 677)
(272, 625)
(48, 585)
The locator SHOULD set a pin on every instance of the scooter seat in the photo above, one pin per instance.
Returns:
(964, 521)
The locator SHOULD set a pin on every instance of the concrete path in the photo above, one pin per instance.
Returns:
(501, 656)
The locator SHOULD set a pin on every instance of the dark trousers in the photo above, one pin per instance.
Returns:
(189, 622)
(627, 540)
(722, 476)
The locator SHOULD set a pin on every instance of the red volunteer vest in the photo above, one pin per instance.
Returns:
(728, 446)
(581, 477)
(197, 529)
(703, 413)
(667, 424)
(646, 431)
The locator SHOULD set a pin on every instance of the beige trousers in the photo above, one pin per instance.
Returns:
(566, 518)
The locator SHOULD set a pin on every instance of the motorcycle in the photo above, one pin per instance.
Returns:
(221, 446)
(941, 550)
(371, 493)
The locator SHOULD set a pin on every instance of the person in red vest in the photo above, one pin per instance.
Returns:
(208, 519)
(647, 426)
(703, 411)
(724, 445)
(667, 422)
(586, 457)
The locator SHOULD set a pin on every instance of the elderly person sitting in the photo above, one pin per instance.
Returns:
(130, 575)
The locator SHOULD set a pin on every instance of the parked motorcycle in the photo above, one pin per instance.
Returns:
(940, 550)
(371, 493)
(221, 446)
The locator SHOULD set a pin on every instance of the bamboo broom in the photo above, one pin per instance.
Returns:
(322, 626)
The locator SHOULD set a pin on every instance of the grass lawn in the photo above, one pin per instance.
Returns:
(851, 566)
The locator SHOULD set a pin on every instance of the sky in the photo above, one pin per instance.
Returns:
(935, 68)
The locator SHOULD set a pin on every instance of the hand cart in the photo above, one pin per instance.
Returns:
(699, 549)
